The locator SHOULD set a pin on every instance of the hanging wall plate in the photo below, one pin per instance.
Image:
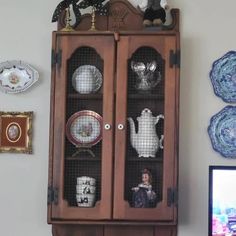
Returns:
(16, 76)
(84, 128)
(223, 77)
(222, 132)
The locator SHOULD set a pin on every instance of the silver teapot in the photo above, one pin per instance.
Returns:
(146, 142)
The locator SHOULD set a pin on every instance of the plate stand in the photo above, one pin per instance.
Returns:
(83, 148)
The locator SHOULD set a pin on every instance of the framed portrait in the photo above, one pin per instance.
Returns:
(16, 132)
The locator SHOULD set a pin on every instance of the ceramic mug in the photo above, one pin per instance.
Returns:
(85, 200)
(86, 180)
(85, 189)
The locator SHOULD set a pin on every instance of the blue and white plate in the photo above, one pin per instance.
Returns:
(223, 77)
(222, 132)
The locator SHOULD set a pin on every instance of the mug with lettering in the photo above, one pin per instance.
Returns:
(85, 200)
(85, 191)
(86, 180)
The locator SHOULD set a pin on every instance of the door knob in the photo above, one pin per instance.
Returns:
(107, 126)
(120, 126)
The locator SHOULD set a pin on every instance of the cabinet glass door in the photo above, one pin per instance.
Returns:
(145, 150)
(83, 119)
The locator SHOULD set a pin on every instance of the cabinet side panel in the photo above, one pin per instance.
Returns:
(177, 92)
(52, 101)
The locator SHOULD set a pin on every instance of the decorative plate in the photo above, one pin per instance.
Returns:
(87, 79)
(16, 76)
(84, 128)
(222, 132)
(223, 77)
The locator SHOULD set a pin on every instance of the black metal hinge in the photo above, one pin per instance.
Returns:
(172, 197)
(56, 58)
(174, 58)
(52, 195)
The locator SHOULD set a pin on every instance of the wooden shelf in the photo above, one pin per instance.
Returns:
(69, 158)
(142, 159)
(85, 96)
(142, 96)
(145, 96)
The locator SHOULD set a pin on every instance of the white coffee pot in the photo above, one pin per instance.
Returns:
(145, 141)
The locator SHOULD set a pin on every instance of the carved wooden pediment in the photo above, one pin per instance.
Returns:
(122, 16)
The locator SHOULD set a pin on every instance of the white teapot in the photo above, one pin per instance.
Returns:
(146, 142)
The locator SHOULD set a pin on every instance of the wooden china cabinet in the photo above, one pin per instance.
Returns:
(118, 57)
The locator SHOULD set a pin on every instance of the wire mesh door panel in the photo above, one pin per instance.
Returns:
(145, 131)
(143, 86)
(82, 146)
(87, 145)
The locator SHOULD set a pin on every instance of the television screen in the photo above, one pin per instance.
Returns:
(222, 201)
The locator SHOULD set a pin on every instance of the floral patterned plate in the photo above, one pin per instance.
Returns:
(16, 76)
(222, 132)
(84, 128)
(223, 77)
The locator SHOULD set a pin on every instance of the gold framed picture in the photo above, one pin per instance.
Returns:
(16, 132)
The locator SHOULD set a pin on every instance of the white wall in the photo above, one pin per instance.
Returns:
(206, 34)
(26, 35)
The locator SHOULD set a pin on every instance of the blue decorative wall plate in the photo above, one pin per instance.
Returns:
(222, 132)
(223, 77)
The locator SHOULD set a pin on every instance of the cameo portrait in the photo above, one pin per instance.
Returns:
(13, 132)
(16, 132)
